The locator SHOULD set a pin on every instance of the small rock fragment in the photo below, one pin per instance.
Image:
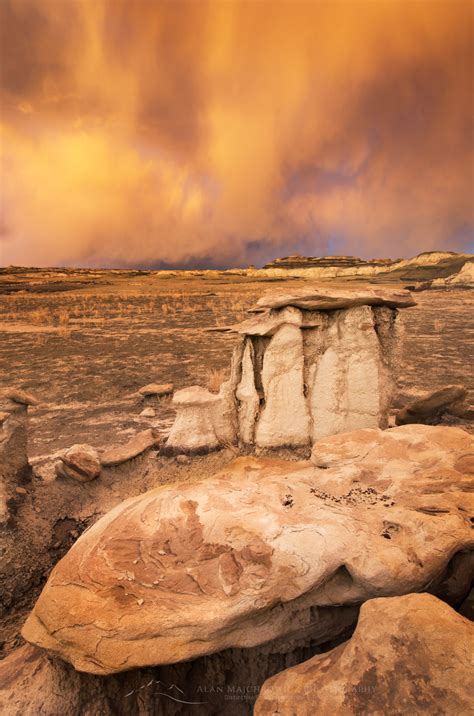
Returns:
(134, 447)
(81, 462)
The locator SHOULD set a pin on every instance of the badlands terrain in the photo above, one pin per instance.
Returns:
(85, 341)
(82, 345)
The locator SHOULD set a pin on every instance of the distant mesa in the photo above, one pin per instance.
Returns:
(297, 261)
(427, 266)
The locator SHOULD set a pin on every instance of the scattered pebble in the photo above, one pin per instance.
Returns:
(21, 491)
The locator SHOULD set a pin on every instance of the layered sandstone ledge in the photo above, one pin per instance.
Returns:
(310, 362)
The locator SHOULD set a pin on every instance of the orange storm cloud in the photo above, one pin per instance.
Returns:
(148, 133)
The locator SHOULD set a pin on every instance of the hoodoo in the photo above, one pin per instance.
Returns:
(311, 362)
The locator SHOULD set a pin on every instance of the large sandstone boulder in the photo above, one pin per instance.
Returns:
(204, 420)
(315, 361)
(312, 362)
(410, 654)
(265, 549)
(30, 684)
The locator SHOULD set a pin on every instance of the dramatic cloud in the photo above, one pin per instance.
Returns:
(193, 133)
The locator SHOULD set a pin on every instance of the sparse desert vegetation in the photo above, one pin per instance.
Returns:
(215, 378)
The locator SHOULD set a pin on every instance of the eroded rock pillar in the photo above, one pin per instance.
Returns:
(14, 466)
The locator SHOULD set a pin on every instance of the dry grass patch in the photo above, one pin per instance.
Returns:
(63, 317)
(215, 378)
(41, 317)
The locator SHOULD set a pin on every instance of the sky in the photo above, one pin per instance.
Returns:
(218, 133)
